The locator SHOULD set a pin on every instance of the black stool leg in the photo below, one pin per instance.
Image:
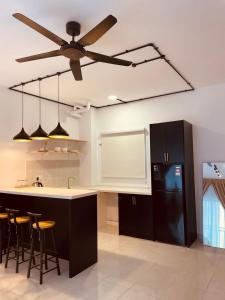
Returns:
(56, 253)
(46, 255)
(17, 249)
(31, 255)
(5, 233)
(1, 240)
(30, 234)
(41, 257)
(22, 242)
(8, 248)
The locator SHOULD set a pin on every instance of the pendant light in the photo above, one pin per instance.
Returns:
(39, 134)
(58, 132)
(22, 136)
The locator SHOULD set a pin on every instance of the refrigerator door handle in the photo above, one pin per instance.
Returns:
(164, 154)
(167, 157)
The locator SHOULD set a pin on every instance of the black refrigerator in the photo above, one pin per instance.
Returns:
(167, 180)
(172, 174)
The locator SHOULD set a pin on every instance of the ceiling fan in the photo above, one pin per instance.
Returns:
(74, 50)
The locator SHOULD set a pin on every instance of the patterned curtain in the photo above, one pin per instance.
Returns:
(219, 187)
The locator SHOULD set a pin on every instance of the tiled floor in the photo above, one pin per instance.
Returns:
(128, 269)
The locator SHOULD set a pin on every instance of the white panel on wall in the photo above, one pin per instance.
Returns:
(123, 155)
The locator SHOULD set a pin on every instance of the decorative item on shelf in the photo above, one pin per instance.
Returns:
(22, 136)
(58, 132)
(39, 134)
(44, 147)
(57, 149)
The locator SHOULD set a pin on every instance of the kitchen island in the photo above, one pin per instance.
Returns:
(75, 214)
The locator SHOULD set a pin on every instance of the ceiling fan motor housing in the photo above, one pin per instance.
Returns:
(73, 28)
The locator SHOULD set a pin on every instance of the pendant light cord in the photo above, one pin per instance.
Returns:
(22, 104)
(40, 101)
(58, 100)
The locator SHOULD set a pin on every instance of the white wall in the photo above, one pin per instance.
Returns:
(13, 155)
(204, 108)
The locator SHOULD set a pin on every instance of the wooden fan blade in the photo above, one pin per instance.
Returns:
(93, 35)
(48, 34)
(40, 56)
(76, 69)
(107, 59)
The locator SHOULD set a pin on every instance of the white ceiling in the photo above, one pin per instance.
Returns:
(189, 32)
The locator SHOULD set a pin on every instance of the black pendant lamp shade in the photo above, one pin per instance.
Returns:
(58, 132)
(22, 136)
(39, 134)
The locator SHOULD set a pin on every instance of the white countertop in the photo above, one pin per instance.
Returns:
(122, 190)
(62, 193)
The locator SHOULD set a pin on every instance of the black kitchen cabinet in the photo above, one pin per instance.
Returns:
(173, 189)
(136, 216)
(158, 149)
(168, 145)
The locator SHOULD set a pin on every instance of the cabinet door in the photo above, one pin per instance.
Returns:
(175, 141)
(127, 224)
(136, 216)
(157, 143)
(144, 217)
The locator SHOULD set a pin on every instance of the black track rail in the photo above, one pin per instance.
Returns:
(160, 56)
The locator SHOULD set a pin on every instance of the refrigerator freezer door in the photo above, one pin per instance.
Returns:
(167, 177)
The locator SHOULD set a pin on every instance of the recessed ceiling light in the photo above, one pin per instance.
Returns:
(112, 97)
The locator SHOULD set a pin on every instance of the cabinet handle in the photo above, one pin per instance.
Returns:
(133, 200)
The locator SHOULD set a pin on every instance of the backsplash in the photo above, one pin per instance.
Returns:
(53, 173)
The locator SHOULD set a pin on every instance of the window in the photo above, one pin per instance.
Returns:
(213, 220)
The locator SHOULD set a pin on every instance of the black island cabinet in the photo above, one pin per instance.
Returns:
(75, 229)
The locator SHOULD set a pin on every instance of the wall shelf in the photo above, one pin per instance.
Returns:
(62, 140)
(58, 148)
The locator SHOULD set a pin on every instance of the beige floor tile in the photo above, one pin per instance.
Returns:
(128, 268)
(213, 296)
(140, 292)
(181, 291)
(109, 289)
(217, 283)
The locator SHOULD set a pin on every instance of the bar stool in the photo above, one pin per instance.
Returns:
(3, 224)
(16, 226)
(40, 228)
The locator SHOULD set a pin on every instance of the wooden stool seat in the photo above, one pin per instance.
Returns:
(20, 220)
(44, 225)
(3, 216)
